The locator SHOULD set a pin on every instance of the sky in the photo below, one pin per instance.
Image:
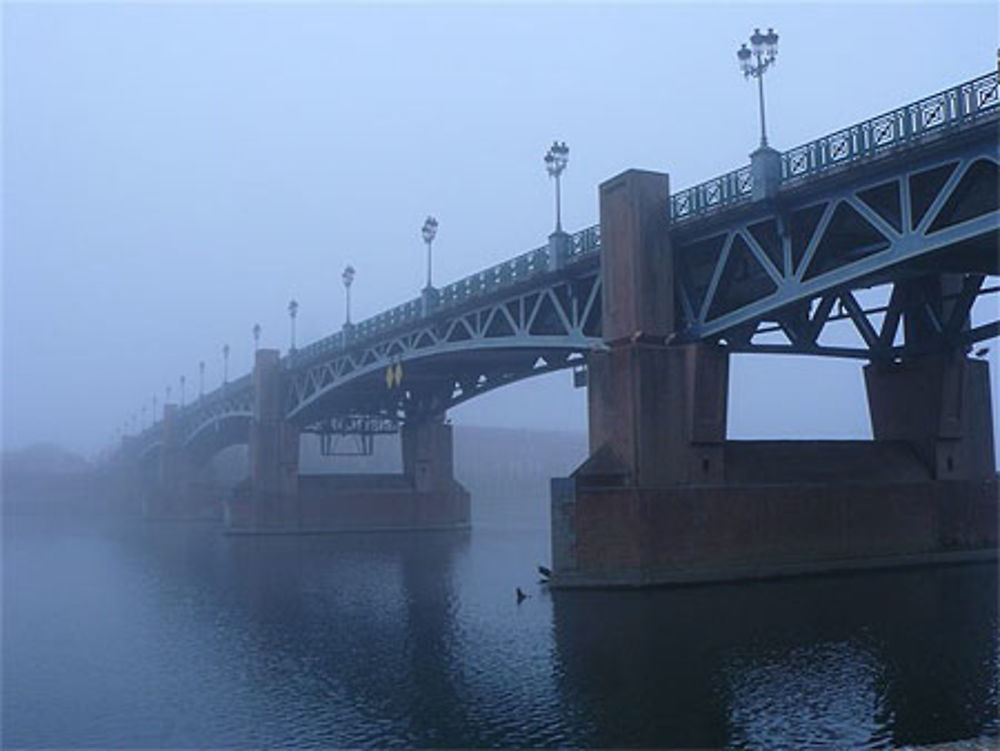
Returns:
(174, 173)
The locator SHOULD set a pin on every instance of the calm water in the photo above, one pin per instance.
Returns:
(127, 634)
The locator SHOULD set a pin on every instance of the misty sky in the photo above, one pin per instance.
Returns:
(173, 174)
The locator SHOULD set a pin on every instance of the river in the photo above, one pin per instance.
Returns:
(121, 633)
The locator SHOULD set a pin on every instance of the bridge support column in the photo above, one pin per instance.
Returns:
(271, 502)
(641, 393)
(170, 496)
(939, 404)
(657, 413)
(428, 463)
(428, 453)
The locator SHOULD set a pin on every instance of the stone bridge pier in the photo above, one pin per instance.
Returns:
(280, 499)
(173, 487)
(665, 498)
(271, 500)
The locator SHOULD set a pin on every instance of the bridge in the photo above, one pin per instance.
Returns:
(891, 225)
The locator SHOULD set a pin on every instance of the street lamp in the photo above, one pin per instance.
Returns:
(225, 364)
(754, 61)
(555, 162)
(429, 230)
(154, 409)
(201, 379)
(256, 337)
(348, 278)
(183, 381)
(293, 310)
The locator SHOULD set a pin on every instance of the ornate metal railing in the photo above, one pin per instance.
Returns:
(582, 244)
(951, 108)
(905, 125)
(733, 187)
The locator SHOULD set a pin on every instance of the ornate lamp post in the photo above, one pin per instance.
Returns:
(429, 230)
(555, 162)
(293, 310)
(754, 62)
(201, 379)
(225, 364)
(348, 279)
(256, 337)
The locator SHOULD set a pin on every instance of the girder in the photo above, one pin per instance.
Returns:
(934, 216)
(236, 402)
(351, 435)
(554, 320)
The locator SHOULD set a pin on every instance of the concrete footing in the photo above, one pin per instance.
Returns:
(656, 536)
(280, 500)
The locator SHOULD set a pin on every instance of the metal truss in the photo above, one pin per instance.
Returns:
(232, 400)
(356, 431)
(918, 318)
(476, 377)
(786, 266)
(203, 419)
(236, 403)
(508, 335)
(905, 127)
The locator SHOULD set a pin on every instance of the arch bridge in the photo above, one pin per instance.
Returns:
(873, 242)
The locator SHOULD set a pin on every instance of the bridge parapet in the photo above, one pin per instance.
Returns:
(943, 112)
(724, 191)
(510, 273)
(904, 126)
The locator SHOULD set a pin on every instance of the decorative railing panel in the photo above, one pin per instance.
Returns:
(733, 187)
(585, 243)
(954, 107)
(935, 114)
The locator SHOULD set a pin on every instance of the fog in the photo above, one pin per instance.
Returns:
(173, 174)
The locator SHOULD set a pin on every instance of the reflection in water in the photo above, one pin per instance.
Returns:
(135, 635)
(858, 660)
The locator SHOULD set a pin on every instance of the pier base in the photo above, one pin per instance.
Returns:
(174, 489)
(656, 536)
(280, 500)
(664, 498)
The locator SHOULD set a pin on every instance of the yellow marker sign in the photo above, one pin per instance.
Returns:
(393, 375)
